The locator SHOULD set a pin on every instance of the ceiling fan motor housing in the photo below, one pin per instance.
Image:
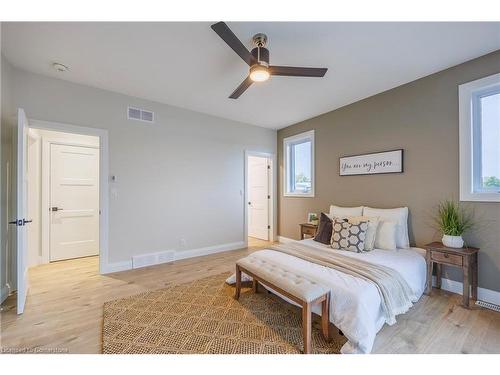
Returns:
(261, 54)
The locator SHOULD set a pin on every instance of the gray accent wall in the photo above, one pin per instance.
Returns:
(422, 118)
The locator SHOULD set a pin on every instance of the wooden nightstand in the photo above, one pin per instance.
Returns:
(465, 258)
(307, 229)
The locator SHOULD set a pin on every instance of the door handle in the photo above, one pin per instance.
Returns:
(20, 222)
(55, 209)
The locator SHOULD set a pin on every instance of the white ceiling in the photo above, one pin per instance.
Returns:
(188, 65)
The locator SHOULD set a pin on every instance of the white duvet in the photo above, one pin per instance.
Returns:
(355, 306)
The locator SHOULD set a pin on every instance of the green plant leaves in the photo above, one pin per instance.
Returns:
(453, 220)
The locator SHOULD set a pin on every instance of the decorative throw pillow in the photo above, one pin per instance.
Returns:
(397, 215)
(324, 232)
(371, 232)
(386, 238)
(348, 236)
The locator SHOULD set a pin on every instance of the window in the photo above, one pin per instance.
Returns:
(480, 140)
(299, 165)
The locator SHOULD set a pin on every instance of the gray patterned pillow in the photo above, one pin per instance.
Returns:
(348, 236)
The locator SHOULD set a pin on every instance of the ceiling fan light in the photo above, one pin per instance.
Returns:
(259, 73)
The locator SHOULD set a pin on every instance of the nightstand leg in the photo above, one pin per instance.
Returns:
(429, 275)
(466, 282)
(474, 278)
(438, 275)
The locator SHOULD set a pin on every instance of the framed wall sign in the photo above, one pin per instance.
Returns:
(374, 163)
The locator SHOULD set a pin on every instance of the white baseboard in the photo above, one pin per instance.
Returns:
(184, 254)
(285, 239)
(4, 293)
(117, 267)
(179, 254)
(483, 294)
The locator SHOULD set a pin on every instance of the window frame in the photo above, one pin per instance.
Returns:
(293, 140)
(470, 95)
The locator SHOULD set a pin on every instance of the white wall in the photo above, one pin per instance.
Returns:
(180, 178)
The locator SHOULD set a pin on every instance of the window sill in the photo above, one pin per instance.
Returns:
(303, 195)
(480, 197)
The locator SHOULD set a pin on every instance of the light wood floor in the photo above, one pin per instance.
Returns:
(256, 242)
(64, 309)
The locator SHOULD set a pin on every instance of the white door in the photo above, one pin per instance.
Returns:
(74, 202)
(258, 197)
(22, 205)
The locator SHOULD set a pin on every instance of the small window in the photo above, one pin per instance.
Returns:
(480, 140)
(299, 165)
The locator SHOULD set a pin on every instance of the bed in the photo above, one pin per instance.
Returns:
(355, 304)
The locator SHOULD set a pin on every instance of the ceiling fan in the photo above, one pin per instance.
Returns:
(258, 60)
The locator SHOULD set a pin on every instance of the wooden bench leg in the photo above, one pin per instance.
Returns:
(306, 327)
(238, 283)
(255, 286)
(325, 321)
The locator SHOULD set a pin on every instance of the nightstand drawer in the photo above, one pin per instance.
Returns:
(441, 257)
(310, 231)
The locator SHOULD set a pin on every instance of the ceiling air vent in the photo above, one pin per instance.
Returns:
(140, 114)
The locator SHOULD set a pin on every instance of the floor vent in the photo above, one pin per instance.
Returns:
(140, 115)
(488, 305)
(152, 259)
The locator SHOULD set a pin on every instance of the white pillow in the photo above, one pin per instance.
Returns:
(386, 235)
(338, 211)
(397, 215)
(371, 232)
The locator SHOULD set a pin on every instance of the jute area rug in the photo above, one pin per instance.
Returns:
(202, 317)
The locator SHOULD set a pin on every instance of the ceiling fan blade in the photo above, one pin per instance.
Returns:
(241, 88)
(296, 71)
(232, 41)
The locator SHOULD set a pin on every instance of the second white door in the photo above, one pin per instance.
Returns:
(258, 197)
(74, 202)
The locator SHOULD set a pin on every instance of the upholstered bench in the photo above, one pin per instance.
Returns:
(296, 287)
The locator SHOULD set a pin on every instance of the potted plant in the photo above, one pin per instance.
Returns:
(453, 221)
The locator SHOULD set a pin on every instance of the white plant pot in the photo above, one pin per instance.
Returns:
(453, 241)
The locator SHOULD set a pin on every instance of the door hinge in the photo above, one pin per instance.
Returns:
(268, 227)
(268, 167)
(268, 197)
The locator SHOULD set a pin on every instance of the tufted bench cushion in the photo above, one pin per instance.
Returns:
(297, 285)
